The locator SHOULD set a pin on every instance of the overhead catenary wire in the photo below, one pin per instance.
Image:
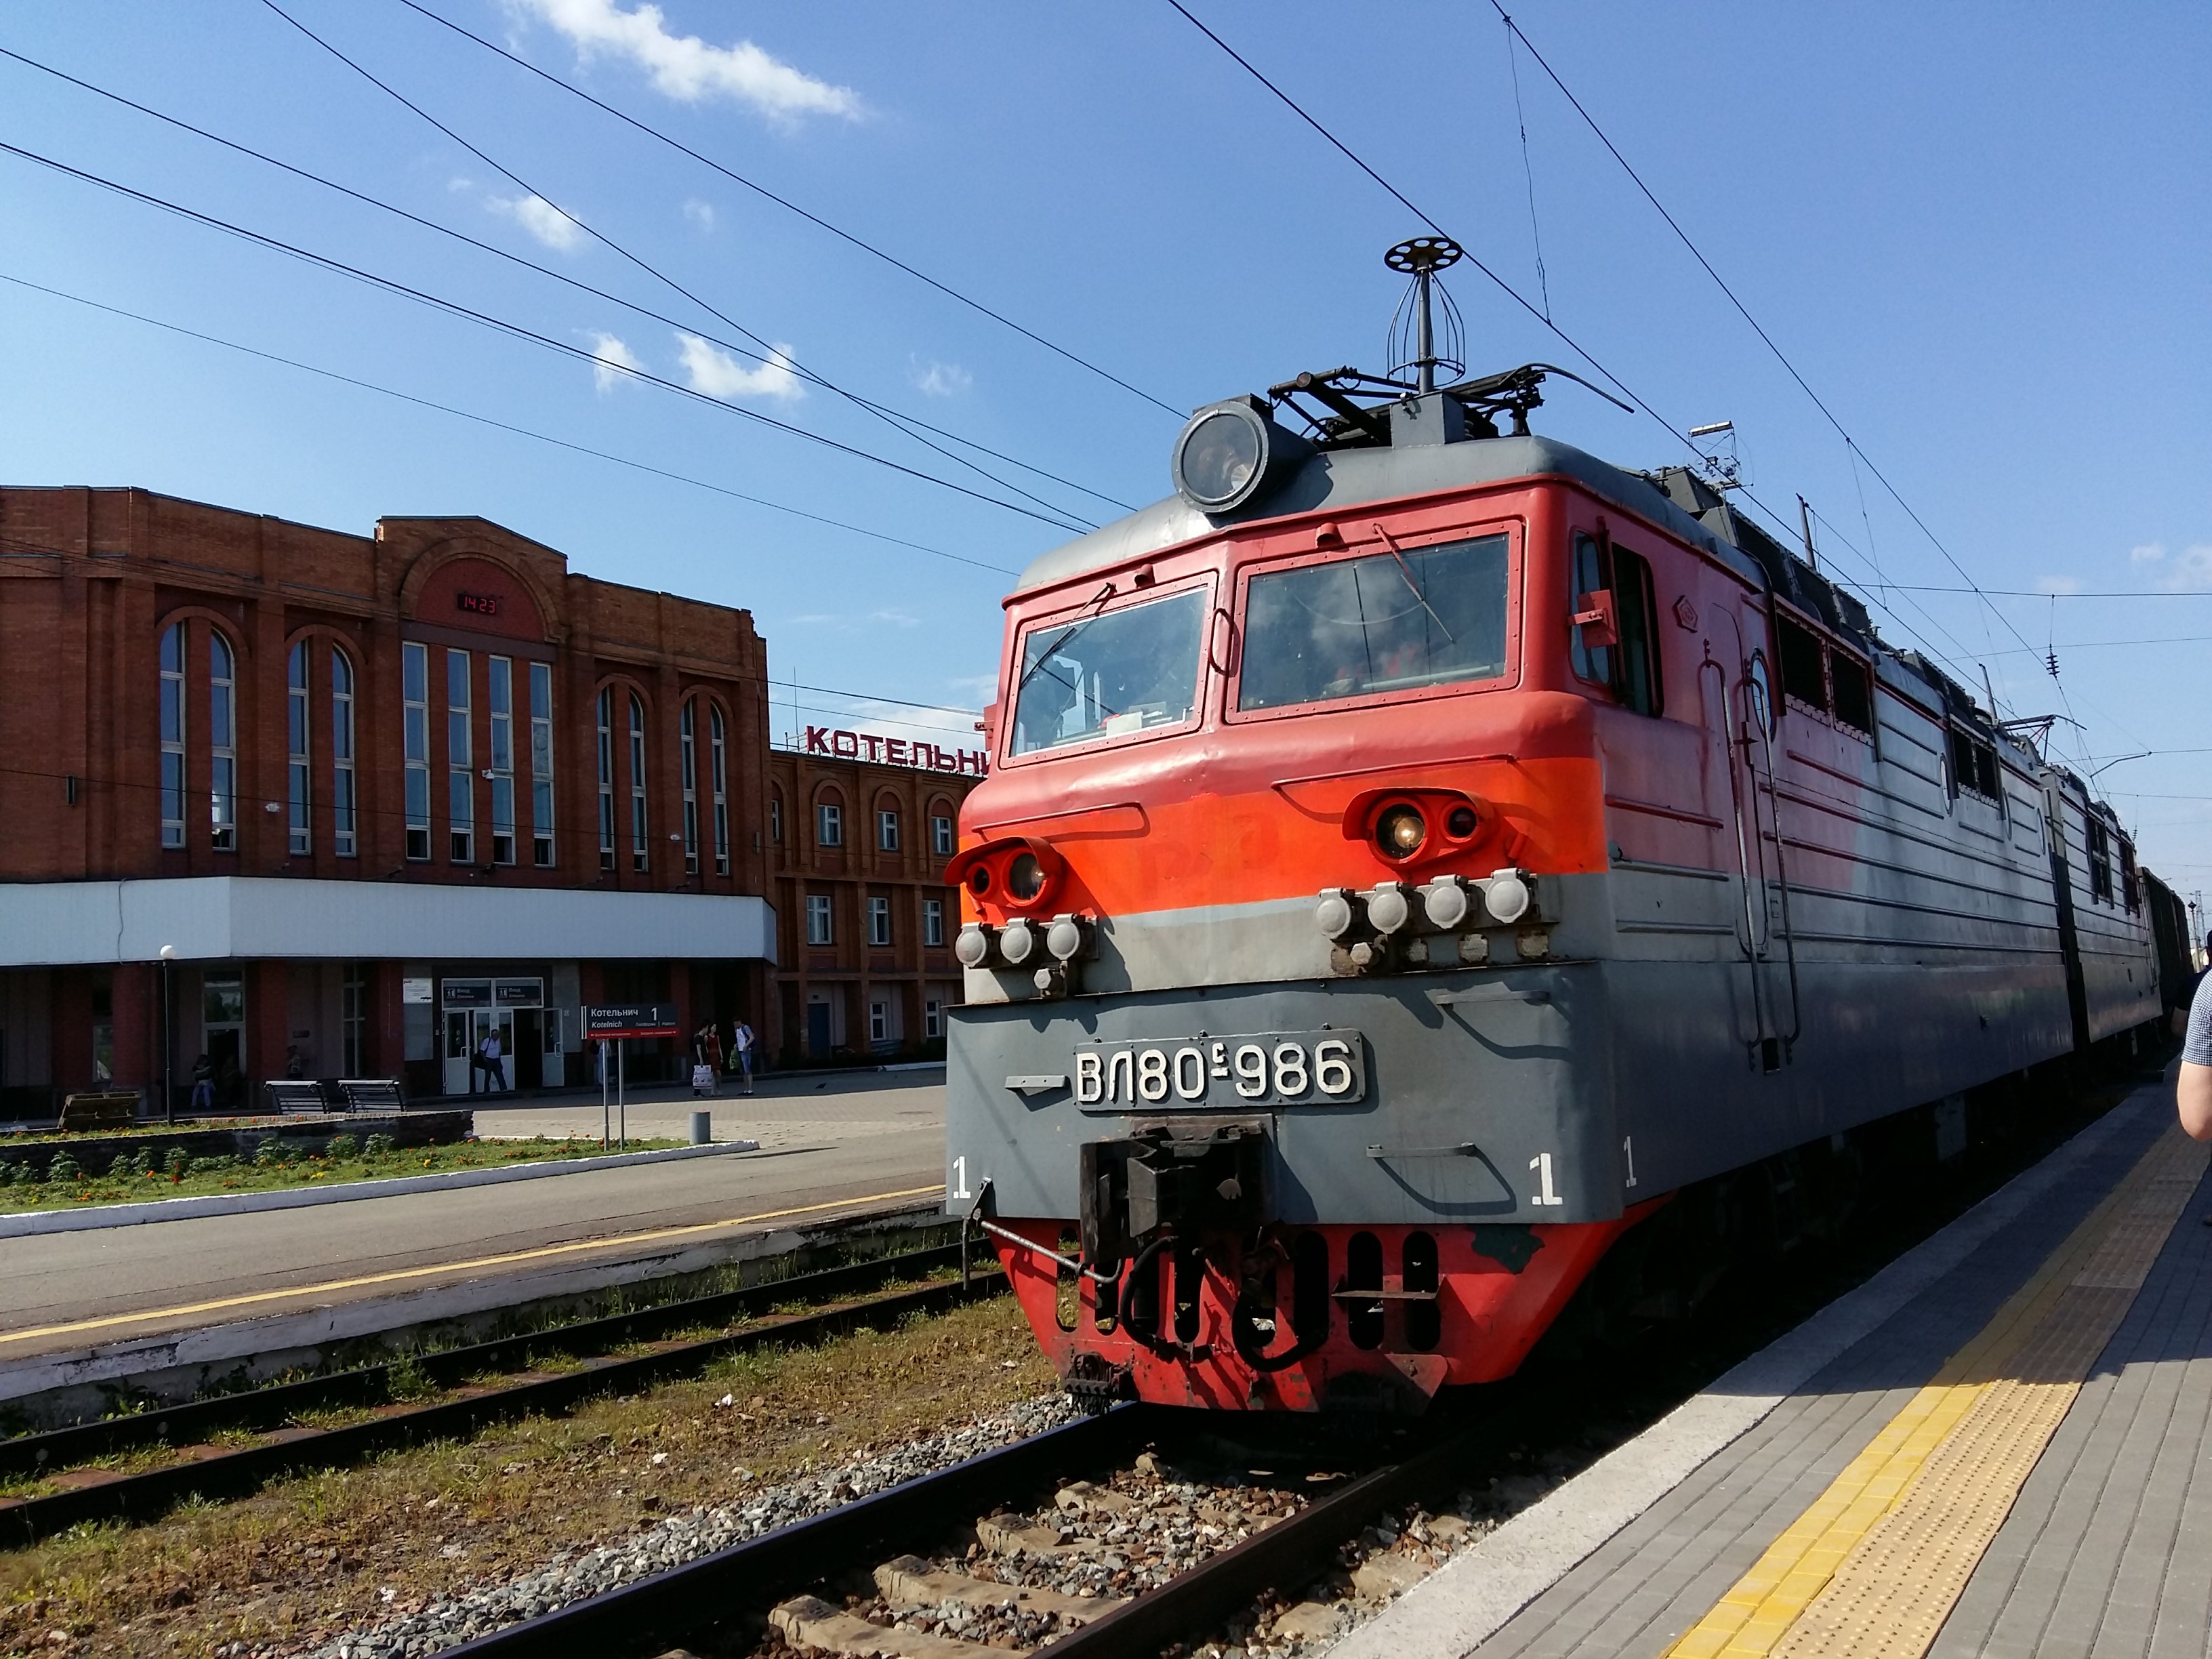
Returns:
(551, 272)
(500, 425)
(516, 331)
(875, 409)
(790, 206)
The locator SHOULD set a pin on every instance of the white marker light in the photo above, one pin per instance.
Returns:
(1444, 903)
(1017, 943)
(1333, 915)
(1064, 939)
(1387, 907)
(1508, 899)
(973, 945)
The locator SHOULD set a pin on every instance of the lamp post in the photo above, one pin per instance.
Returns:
(168, 1041)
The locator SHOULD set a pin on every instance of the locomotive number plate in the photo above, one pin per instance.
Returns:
(1277, 1068)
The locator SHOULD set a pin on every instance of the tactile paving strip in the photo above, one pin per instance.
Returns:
(1875, 1566)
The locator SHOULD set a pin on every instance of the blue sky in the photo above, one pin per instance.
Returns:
(1980, 232)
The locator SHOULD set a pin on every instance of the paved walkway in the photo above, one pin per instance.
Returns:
(1997, 1447)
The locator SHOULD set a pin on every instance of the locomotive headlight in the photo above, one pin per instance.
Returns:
(1064, 939)
(973, 945)
(1024, 877)
(1401, 830)
(1017, 942)
(1333, 915)
(1443, 901)
(1387, 907)
(1508, 896)
(1230, 452)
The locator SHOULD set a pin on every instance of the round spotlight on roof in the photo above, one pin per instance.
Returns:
(1231, 453)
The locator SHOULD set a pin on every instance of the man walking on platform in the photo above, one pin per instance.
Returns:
(486, 1060)
(741, 1040)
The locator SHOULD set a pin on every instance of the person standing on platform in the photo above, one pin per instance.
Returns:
(493, 1068)
(2194, 1090)
(741, 1039)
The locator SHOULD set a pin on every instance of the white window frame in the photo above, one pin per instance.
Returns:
(933, 922)
(775, 819)
(223, 742)
(541, 765)
(500, 696)
(641, 819)
(887, 830)
(829, 824)
(880, 921)
(344, 803)
(299, 718)
(173, 770)
(942, 837)
(933, 1017)
(415, 711)
(879, 1020)
(460, 774)
(606, 777)
(821, 919)
(687, 735)
(719, 764)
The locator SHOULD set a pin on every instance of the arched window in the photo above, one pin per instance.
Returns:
(637, 817)
(222, 743)
(541, 764)
(607, 779)
(172, 736)
(721, 792)
(415, 694)
(460, 767)
(688, 771)
(298, 714)
(342, 808)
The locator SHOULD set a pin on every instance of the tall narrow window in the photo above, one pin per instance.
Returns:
(415, 691)
(940, 835)
(879, 919)
(887, 831)
(541, 764)
(222, 743)
(502, 693)
(607, 779)
(461, 779)
(829, 824)
(687, 767)
(637, 815)
(818, 930)
(173, 737)
(353, 1020)
(341, 780)
(775, 819)
(932, 923)
(722, 782)
(297, 718)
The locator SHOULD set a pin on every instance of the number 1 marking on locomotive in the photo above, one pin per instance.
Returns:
(1542, 1164)
(960, 1178)
(1628, 1152)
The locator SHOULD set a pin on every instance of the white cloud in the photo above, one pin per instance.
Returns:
(542, 219)
(2190, 571)
(938, 379)
(686, 68)
(896, 617)
(2058, 584)
(719, 374)
(980, 688)
(613, 358)
(2149, 553)
(700, 213)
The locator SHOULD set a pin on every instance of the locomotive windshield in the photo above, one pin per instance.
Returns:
(1385, 622)
(1106, 675)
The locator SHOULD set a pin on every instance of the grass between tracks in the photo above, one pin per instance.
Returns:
(305, 1561)
(138, 1175)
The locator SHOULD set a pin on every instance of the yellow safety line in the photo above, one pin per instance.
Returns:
(1875, 1563)
(540, 1253)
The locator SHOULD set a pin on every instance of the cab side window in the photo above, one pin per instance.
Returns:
(1614, 638)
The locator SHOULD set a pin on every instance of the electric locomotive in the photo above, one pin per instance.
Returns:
(1417, 849)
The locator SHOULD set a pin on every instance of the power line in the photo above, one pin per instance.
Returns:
(516, 331)
(655, 272)
(1744, 311)
(551, 272)
(502, 426)
(790, 206)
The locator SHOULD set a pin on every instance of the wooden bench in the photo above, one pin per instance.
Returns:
(108, 1108)
(371, 1094)
(295, 1097)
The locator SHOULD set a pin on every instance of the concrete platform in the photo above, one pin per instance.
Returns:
(1995, 1446)
(70, 1303)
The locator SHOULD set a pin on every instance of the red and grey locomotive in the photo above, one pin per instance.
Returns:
(1415, 849)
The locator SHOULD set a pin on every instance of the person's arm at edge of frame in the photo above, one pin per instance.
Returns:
(2193, 1090)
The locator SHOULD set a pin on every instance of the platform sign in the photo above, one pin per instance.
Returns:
(631, 1019)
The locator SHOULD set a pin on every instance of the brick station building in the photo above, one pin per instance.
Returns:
(860, 827)
(377, 795)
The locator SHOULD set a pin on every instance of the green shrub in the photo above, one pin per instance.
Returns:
(379, 1145)
(10, 1174)
(64, 1168)
(269, 1154)
(211, 1166)
(342, 1146)
(177, 1162)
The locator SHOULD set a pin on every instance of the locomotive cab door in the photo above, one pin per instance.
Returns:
(1749, 718)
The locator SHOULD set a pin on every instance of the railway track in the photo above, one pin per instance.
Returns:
(65, 1459)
